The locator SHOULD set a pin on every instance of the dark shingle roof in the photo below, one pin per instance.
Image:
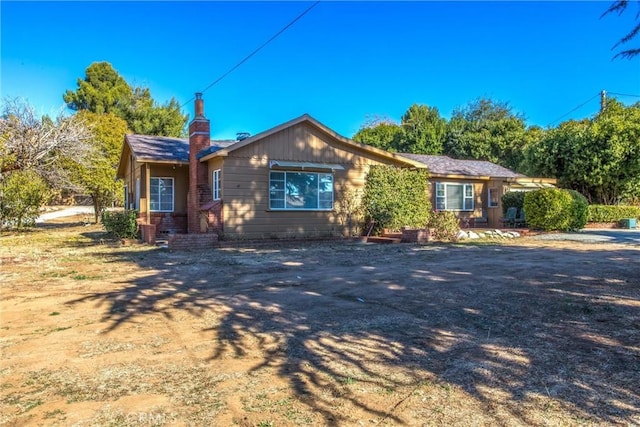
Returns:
(444, 165)
(215, 146)
(167, 149)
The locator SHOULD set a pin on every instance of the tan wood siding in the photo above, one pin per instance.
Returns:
(245, 184)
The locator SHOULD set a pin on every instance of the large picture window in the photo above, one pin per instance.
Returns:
(161, 195)
(300, 190)
(454, 197)
(217, 184)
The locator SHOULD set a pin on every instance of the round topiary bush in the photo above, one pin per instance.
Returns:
(556, 209)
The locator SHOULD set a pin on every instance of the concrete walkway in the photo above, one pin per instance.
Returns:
(596, 235)
(65, 211)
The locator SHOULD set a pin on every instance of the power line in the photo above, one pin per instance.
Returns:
(246, 58)
(578, 107)
(623, 94)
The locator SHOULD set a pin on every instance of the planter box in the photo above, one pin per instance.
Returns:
(628, 223)
(415, 235)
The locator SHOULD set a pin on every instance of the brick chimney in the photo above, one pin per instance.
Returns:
(199, 139)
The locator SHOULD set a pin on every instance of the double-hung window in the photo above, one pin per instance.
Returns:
(161, 199)
(454, 197)
(300, 190)
(217, 184)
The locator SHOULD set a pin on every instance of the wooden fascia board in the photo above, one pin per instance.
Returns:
(163, 162)
(463, 177)
(534, 180)
(125, 147)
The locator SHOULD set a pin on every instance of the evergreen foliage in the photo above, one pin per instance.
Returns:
(486, 130)
(556, 209)
(512, 199)
(599, 157)
(104, 91)
(445, 226)
(612, 213)
(395, 198)
(121, 224)
(98, 176)
(22, 193)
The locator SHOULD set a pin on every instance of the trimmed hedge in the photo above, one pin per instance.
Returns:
(395, 198)
(612, 213)
(121, 224)
(556, 209)
(512, 199)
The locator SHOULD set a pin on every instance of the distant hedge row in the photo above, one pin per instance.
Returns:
(612, 213)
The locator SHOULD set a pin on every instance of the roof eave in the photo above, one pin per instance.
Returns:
(169, 162)
(458, 176)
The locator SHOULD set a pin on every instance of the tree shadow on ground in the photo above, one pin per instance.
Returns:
(514, 327)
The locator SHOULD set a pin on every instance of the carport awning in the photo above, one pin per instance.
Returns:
(530, 185)
(284, 164)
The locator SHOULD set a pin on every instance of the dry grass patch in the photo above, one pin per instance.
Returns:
(520, 333)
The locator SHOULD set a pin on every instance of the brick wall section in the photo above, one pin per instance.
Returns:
(215, 217)
(148, 232)
(169, 223)
(192, 241)
(199, 139)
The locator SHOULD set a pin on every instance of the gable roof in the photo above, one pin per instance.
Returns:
(306, 118)
(166, 149)
(444, 165)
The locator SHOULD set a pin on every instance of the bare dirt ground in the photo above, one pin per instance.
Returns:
(528, 332)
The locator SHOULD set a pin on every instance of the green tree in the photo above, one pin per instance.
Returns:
(98, 175)
(22, 193)
(599, 157)
(486, 130)
(619, 6)
(424, 130)
(380, 133)
(103, 90)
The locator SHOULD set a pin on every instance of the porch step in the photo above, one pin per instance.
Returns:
(383, 239)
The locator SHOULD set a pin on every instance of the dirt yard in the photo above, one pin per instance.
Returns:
(336, 333)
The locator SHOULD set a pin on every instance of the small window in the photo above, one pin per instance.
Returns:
(161, 199)
(217, 184)
(454, 197)
(126, 197)
(493, 197)
(300, 190)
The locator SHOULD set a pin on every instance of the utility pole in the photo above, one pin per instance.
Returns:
(603, 100)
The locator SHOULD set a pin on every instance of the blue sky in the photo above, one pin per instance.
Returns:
(342, 62)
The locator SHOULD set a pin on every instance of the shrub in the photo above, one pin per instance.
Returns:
(395, 198)
(578, 210)
(445, 226)
(555, 209)
(121, 224)
(512, 199)
(22, 194)
(612, 213)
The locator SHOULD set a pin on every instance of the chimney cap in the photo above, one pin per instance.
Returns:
(198, 95)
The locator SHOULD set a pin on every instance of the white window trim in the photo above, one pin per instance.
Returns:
(216, 181)
(173, 193)
(489, 191)
(464, 196)
(303, 209)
